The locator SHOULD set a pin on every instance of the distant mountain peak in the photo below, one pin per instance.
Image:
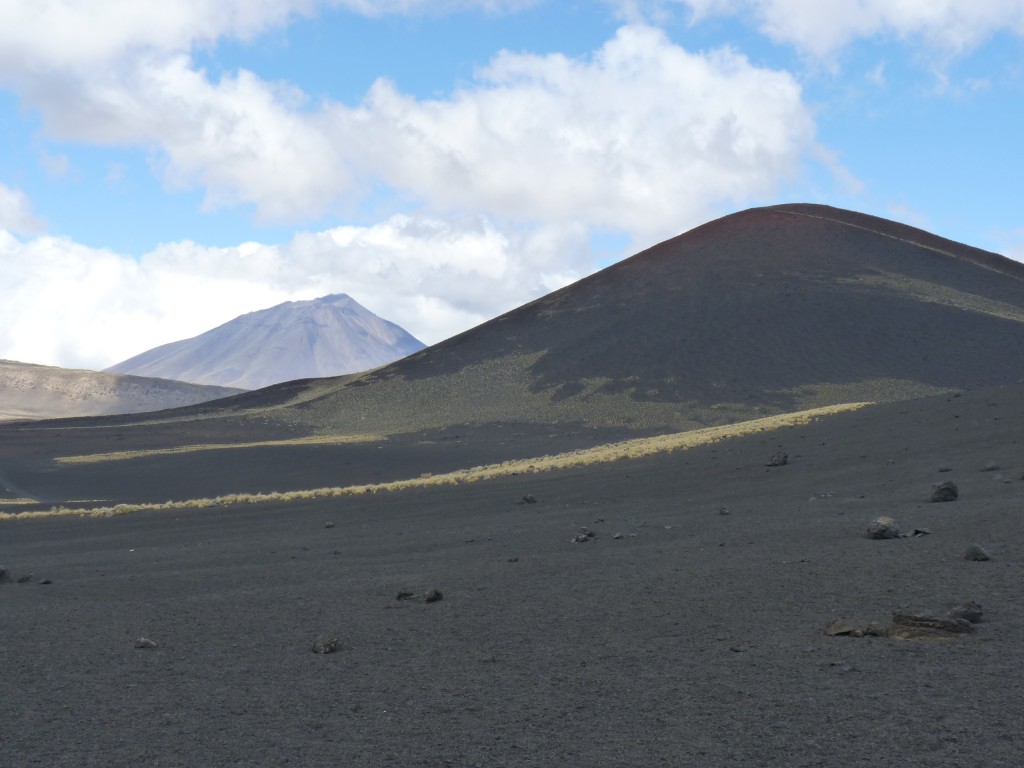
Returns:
(327, 336)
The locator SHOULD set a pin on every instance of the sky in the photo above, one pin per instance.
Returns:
(166, 167)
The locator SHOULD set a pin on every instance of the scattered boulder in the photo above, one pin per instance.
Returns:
(945, 491)
(145, 643)
(915, 626)
(977, 553)
(583, 536)
(839, 627)
(779, 459)
(430, 596)
(325, 644)
(883, 528)
(911, 626)
(969, 611)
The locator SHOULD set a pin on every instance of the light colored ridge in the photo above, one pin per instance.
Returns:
(627, 449)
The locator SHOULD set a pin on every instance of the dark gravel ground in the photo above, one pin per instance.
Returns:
(694, 640)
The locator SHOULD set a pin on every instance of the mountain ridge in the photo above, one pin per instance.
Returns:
(329, 336)
(31, 391)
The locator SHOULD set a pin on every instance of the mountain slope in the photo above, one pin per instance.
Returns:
(767, 310)
(41, 392)
(329, 336)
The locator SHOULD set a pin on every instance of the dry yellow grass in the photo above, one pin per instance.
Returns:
(627, 449)
(96, 458)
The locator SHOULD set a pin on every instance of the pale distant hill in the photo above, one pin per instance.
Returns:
(30, 391)
(329, 336)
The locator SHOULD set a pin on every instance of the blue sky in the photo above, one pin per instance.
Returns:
(166, 167)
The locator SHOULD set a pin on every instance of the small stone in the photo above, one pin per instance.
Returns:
(529, 499)
(144, 643)
(404, 595)
(5, 577)
(45, 581)
(25, 579)
(579, 538)
(976, 552)
(325, 644)
(328, 525)
(990, 466)
(513, 560)
(946, 491)
(616, 535)
(779, 459)
(969, 611)
(433, 596)
(944, 468)
(838, 627)
(883, 528)
(724, 511)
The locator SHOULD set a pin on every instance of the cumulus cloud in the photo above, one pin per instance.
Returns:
(71, 305)
(642, 136)
(822, 28)
(71, 34)
(16, 211)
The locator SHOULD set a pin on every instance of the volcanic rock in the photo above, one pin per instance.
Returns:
(325, 644)
(945, 491)
(976, 552)
(970, 611)
(883, 528)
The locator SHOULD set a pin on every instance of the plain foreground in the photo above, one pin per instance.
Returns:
(694, 639)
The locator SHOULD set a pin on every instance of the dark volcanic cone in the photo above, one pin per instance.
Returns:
(770, 309)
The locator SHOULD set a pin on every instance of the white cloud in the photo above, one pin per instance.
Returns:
(71, 34)
(16, 212)
(822, 28)
(71, 305)
(644, 137)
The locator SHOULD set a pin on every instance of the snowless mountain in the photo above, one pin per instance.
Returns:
(329, 336)
(29, 391)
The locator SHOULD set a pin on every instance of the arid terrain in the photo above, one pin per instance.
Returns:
(45, 392)
(642, 499)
